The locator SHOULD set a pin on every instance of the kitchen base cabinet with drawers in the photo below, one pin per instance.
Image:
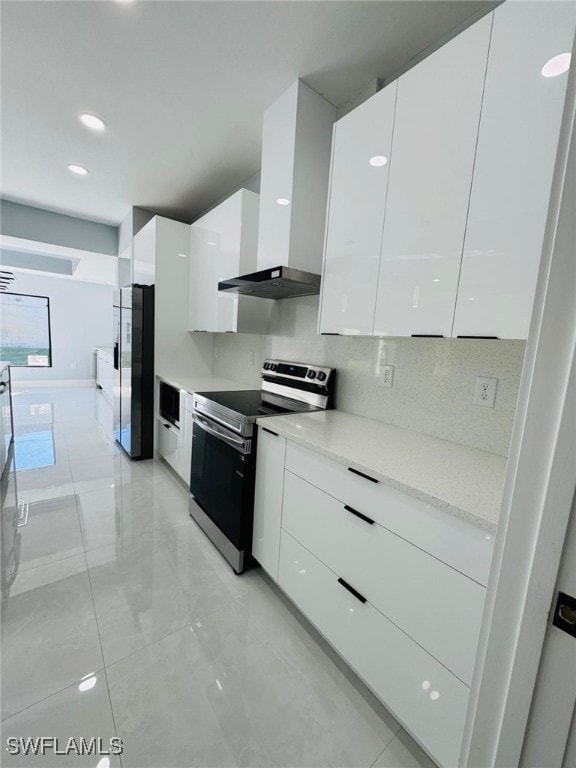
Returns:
(428, 700)
(395, 586)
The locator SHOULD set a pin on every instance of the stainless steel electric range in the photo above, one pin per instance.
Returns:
(224, 448)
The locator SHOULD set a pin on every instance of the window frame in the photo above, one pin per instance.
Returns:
(35, 296)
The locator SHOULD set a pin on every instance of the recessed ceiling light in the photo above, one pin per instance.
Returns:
(92, 122)
(557, 65)
(378, 160)
(78, 169)
(283, 201)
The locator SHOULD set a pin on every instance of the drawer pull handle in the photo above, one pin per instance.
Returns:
(352, 591)
(269, 431)
(361, 474)
(166, 426)
(358, 514)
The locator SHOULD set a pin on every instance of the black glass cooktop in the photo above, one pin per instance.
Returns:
(253, 402)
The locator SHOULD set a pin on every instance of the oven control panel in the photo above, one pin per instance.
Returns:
(298, 371)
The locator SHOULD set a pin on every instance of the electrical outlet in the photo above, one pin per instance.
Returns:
(387, 376)
(250, 358)
(485, 391)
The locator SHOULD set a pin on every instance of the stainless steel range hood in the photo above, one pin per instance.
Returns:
(275, 283)
(296, 144)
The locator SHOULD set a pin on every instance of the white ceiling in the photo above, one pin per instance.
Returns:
(182, 86)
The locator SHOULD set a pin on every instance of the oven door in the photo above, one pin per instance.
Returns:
(222, 479)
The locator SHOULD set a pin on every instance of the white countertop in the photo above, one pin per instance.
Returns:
(107, 349)
(464, 481)
(207, 383)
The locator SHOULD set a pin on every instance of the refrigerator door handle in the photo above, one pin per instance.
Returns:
(116, 356)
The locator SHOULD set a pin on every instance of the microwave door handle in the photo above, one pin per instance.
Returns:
(240, 443)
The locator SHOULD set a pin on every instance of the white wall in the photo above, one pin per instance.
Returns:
(433, 384)
(30, 223)
(80, 319)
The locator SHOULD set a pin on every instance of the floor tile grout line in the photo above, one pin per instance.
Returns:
(102, 652)
(96, 619)
(172, 632)
(52, 562)
(394, 736)
(45, 698)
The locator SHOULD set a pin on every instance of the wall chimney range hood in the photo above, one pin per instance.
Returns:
(275, 283)
(296, 146)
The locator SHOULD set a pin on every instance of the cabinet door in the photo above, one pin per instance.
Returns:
(519, 130)
(203, 312)
(106, 375)
(358, 184)
(169, 443)
(435, 132)
(185, 459)
(99, 358)
(215, 256)
(268, 500)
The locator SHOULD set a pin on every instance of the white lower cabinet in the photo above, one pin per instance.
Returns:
(169, 443)
(429, 701)
(455, 542)
(270, 459)
(105, 372)
(186, 432)
(438, 607)
(395, 585)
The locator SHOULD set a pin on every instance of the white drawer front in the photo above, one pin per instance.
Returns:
(268, 500)
(454, 541)
(169, 443)
(437, 606)
(429, 701)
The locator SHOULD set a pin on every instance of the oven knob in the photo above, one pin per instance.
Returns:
(311, 374)
(266, 366)
(273, 366)
(321, 375)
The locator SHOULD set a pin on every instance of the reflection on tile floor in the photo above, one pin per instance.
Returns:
(122, 619)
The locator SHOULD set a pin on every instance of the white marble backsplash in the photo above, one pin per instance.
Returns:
(433, 384)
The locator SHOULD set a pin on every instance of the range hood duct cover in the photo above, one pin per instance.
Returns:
(275, 283)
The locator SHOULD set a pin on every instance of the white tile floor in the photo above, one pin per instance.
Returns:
(189, 664)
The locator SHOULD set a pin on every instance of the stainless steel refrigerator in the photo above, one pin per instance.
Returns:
(134, 370)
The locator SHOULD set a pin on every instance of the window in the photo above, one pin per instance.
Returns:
(25, 330)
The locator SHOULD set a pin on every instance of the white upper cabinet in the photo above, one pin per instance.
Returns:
(435, 132)
(358, 183)
(224, 245)
(519, 131)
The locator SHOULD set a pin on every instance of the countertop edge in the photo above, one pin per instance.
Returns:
(463, 514)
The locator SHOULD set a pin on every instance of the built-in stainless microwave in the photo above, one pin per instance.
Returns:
(170, 403)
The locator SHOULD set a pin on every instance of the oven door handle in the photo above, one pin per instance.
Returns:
(241, 444)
